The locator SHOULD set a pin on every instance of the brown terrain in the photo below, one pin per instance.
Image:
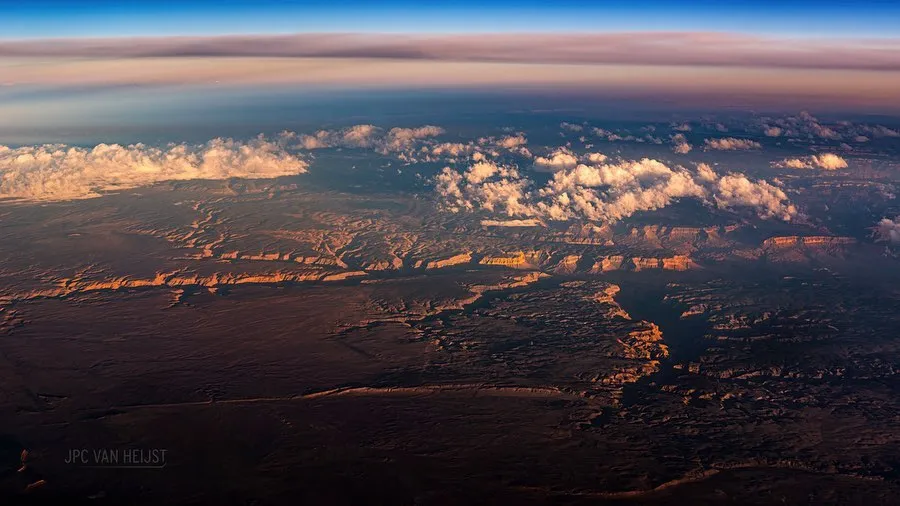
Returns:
(296, 347)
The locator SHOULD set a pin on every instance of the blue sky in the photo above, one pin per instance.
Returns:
(102, 18)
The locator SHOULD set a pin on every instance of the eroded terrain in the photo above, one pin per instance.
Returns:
(284, 344)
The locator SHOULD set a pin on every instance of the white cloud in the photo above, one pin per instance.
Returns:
(606, 192)
(452, 149)
(731, 144)
(825, 161)
(486, 186)
(596, 157)
(512, 141)
(801, 125)
(399, 139)
(572, 127)
(481, 171)
(769, 200)
(59, 172)
(879, 131)
(357, 136)
(560, 159)
(888, 230)
(369, 136)
(516, 143)
(680, 144)
(706, 173)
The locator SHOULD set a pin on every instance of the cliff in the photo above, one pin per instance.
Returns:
(517, 260)
(818, 240)
(618, 262)
(462, 258)
(645, 344)
(180, 279)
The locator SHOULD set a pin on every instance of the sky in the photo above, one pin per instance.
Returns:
(91, 69)
(36, 19)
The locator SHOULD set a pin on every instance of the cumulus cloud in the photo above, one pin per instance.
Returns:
(769, 200)
(357, 136)
(558, 160)
(706, 173)
(486, 186)
(825, 161)
(731, 144)
(512, 141)
(879, 131)
(680, 144)
(605, 192)
(398, 139)
(596, 157)
(888, 230)
(801, 125)
(805, 126)
(59, 172)
(452, 149)
(572, 127)
(481, 171)
(367, 136)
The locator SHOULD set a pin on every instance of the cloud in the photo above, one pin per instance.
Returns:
(635, 48)
(801, 125)
(451, 149)
(572, 127)
(888, 230)
(484, 185)
(558, 160)
(512, 141)
(357, 136)
(731, 144)
(481, 171)
(769, 200)
(825, 161)
(706, 173)
(366, 136)
(715, 85)
(606, 192)
(878, 131)
(59, 172)
(680, 144)
(806, 126)
(399, 139)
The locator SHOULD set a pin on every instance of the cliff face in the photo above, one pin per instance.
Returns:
(284, 257)
(608, 263)
(393, 263)
(517, 260)
(462, 258)
(645, 344)
(607, 296)
(618, 262)
(678, 263)
(567, 265)
(178, 279)
(659, 233)
(642, 263)
(793, 241)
